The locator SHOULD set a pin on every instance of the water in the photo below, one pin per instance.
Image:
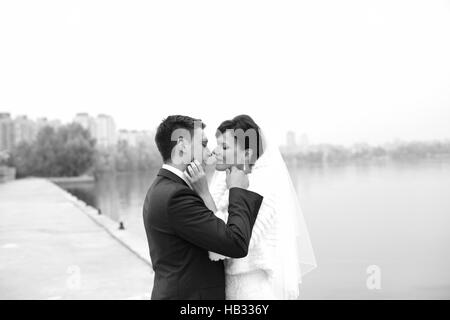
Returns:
(395, 216)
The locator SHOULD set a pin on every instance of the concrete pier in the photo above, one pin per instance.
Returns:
(50, 248)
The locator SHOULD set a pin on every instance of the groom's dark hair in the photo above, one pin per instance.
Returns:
(163, 137)
(244, 122)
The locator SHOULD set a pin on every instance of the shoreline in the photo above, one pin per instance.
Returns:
(78, 179)
(124, 237)
(61, 249)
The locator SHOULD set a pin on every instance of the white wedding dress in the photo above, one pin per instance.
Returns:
(280, 251)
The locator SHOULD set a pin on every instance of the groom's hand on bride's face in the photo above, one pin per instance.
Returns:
(236, 178)
(196, 176)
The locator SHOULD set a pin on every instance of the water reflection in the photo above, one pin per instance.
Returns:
(394, 215)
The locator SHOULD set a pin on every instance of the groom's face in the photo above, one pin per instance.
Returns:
(199, 147)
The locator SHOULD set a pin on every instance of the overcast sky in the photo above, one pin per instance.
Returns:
(339, 71)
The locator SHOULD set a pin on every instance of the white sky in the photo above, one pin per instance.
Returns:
(340, 71)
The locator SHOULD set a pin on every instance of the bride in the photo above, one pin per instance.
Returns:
(280, 251)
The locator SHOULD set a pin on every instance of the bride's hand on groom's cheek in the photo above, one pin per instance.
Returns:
(197, 177)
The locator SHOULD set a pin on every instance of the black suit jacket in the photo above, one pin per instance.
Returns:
(180, 232)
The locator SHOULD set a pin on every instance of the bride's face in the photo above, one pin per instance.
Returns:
(228, 152)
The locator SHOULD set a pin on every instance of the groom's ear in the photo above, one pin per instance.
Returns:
(180, 146)
(181, 143)
(184, 145)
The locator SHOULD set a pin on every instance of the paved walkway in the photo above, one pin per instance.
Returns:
(51, 249)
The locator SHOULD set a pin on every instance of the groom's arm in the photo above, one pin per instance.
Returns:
(194, 222)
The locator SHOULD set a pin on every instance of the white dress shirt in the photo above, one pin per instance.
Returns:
(177, 172)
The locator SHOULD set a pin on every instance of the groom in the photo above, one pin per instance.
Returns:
(181, 229)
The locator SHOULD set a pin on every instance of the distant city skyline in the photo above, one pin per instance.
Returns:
(103, 128)
(345, 132)
(341, 72)
(15, 129)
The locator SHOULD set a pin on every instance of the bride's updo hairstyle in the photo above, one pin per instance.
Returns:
(244, 122)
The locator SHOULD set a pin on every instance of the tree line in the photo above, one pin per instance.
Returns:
(70, 151)
(402, 151)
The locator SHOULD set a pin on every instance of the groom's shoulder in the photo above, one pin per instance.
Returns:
(166, 188)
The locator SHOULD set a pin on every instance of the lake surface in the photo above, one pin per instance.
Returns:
(394, 216)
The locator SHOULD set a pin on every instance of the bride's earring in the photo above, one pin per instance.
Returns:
(246, 166)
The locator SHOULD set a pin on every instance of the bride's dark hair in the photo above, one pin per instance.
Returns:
(245, 123)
